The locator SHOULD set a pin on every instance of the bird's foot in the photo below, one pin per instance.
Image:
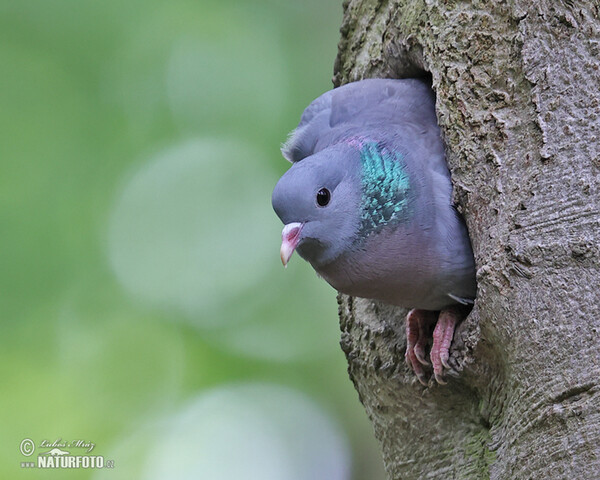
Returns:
(442, 338)
(418, 323)
(417, 328)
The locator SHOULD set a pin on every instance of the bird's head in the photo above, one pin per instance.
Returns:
(318, 200)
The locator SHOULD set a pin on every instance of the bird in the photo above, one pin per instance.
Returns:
(367, 202)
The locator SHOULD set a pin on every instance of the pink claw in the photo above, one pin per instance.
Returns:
(416, 340)
(442, 338)
(417, 324)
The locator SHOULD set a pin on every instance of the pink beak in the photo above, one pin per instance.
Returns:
(289, 241)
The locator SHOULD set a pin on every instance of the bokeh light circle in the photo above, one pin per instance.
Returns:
(188, 231)
(250, 431)
(229, 80)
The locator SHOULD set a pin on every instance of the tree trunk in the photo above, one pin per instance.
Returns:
(518, 95)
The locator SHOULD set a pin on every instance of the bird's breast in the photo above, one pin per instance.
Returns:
(400, 268)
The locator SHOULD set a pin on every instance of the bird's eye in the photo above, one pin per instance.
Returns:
(323, 197)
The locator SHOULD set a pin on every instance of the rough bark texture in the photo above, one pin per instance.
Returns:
(518, 99)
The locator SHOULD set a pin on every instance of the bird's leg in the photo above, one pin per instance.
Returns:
(442, 338)
(417, 328)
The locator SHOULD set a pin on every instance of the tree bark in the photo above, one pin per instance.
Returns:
(518, 100)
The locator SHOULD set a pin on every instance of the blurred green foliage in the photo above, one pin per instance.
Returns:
(120, 299)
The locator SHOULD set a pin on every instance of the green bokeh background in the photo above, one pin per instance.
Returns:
(105, 330)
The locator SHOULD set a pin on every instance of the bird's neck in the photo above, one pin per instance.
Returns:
(386, 188)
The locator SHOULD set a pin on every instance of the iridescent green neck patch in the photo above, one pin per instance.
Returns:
(385, 187)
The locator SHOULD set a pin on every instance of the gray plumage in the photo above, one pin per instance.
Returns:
(389, 230)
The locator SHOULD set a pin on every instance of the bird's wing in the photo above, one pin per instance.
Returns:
(314, 121)
(358, 107)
